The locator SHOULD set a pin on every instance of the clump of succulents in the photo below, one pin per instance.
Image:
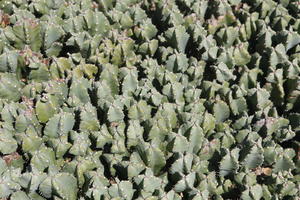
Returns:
(149, 99)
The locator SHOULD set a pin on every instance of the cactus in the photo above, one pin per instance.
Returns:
(178, 37)
(81, 143)
(229, 163)
(79, 91)
(65, 185)
(59, 125)
(177, 62)
(11, 61)
(10, 87)
(88, 115)
(241, 56)
(44, 111)
(169, 99)
(42, 158)
(52, 36)
(140, 111)
(25, 32)
(254, 192)
(7, 143)
(9, 183)
(122, 189)
(283, 163)
(254, 158)
(221, 111)
(31, 143)
(130, 81)
(115, 113)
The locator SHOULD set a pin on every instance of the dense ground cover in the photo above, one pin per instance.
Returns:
(149, 99)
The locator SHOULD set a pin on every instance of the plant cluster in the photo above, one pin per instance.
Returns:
(149, 99)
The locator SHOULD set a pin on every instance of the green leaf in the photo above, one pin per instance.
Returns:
(41, 74)
(95, 22)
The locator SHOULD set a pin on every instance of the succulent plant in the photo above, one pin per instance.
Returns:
(163, 99)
